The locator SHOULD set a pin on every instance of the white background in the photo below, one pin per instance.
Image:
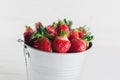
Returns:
(102, 16)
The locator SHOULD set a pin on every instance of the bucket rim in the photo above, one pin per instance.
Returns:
(72, 53)
(46, 52)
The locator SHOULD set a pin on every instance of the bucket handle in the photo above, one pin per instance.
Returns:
(20, 40)
(27, 54)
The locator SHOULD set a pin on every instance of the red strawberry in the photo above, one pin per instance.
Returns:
(52, 30)
(68, 23)
(82, 34)
(83, 31)
(61, 44)
(44, 44)
(73, 34)
(37, 25)
(62, 27)
(78, 45)
(28, 34)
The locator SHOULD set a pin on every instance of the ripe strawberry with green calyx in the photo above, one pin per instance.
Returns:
(85, 34)
(28, 34)
(51, 29)
(74, 34)
(37, 24)
(68, 23)
(82, 31)
(78, 45)
(88, 38)
(62, 27)
(82, 34)
(41, 42)
(61, 43)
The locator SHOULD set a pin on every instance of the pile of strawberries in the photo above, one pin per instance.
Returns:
(58, 37)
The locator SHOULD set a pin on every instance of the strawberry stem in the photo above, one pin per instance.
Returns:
(41, 30)
(60, 22)
(54, 24)
(47, 34)
(69, 23)
(65, 21)
(26, 27)
(36, 35)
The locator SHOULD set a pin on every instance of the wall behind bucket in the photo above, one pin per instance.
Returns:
(102, 16)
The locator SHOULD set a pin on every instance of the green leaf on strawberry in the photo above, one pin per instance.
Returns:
(65, 21)
(88, 37)
(63, 33)
(69, 23)
(54, 24)
(26, 26)
(47, 34)
(36, 35)
(60, 22)
(39, 33)
(41, 30)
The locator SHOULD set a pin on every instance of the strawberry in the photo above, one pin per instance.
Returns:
(78, 45)
(58, 37)
(37, 24)
(82, 34)
(51, 30)
(28, 34)
(83, 31)
(44, 44)
(68, 23)
(41, 41)
(85, 34)
(62, 27)
(88, 38)
(74, 34)
(61, 43)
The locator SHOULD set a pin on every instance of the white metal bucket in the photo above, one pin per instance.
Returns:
(43, 65)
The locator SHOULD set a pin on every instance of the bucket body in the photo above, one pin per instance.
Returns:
(43, 65)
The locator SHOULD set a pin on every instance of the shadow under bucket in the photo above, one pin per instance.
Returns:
(41, 65)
